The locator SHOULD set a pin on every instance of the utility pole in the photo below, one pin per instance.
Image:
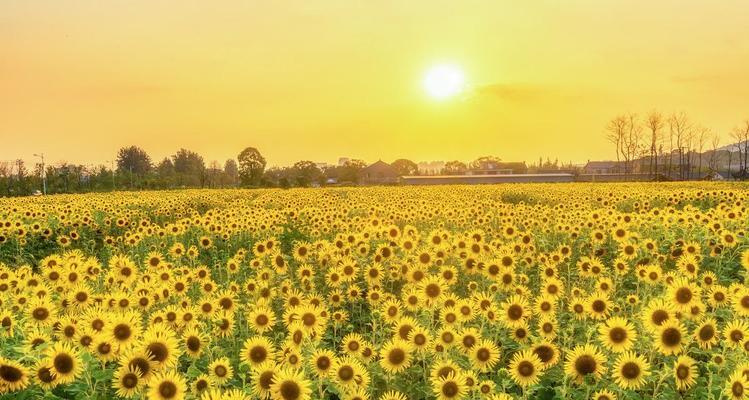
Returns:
(44, 173)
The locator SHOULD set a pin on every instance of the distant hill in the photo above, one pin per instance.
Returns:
(733, 146)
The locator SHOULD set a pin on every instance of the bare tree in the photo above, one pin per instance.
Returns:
(741, 137)
(681, 131)
(654, 123)
(615, 132)
(714, 143)
(702, 135)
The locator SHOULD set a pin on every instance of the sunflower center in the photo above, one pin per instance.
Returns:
(261, 320)
(290, 390)
(63, 363)
(122, 332)
(44, 374)
(707, 332)
(258, 354)
(167, 389)
(515, 312)
(129, 381)
(450, 389)
(346, 373)
(525, 368)
(265, 379)
(659, 316)
(630, 370)
(545, 353)
(483, 354)
(10, 373)
(671, 336)
(193, 343)
(397, 356)
(40, 314)
(737, 389)
(599, 306)
(682, 371)
(220, 371)
(323, 363)
(684, 295)
(585, 365)
(618, 334)
(159, 350)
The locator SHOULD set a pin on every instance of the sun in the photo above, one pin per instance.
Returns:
(443, 81)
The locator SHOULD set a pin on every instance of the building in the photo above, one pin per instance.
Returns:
(485, 179)
(603, 167)
(379, 173)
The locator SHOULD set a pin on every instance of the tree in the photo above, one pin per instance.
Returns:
(484, 162)
(654, 124)
(133, 160)
(189, 168)
(251, 166)
(681, 130)
(306, 172)
(454, 168)
(405, 167)
(350, 170)
(231, 171)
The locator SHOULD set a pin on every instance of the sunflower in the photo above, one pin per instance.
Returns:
(143, 361)
(103, 348)
(737, 386)
(127, 381)
(585, 360)
(201, 384)
(656, 314)
(162, 345)
(395, 356)
(290, 384)
(322, 362)
(66, 362)
(669, 338)
(617, 334)
(598, 306)
(449, 387)
(220, 371)
(262, 377)
(261, 319)
(740, 302)
(352, 343)
(682, 294)
(124, 328)
(484, 355)
(603, 394)
(631, 370)
(547, 352)
(515, 311)
(431, 290)
(348, 373)
(525, 368)
(685, 372)
(41, 311)
(706, 333)
(194, 342)
(13, 376)
(393, 395)
(257, 350)
(167, 385)
(44, 376)
(736, 332)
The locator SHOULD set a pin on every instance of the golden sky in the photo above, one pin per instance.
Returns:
(322, 79)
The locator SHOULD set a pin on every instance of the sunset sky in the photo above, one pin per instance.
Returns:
(322, 79)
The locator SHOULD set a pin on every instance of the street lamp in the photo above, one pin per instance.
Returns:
(44, 174)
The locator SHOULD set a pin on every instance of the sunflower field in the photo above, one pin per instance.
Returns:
(537, 291)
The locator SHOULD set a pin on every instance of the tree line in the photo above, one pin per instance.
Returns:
(134, 169)
(674, 146)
